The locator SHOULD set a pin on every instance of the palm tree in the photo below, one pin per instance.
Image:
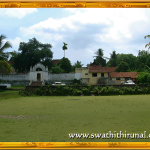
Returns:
(64, 47)
(99, 53)
(100, 57)
(148, 43)
(4, 56)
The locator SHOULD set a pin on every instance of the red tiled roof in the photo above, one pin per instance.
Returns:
(96, 68)
(56, 61)
(111, 69)
(123, 74)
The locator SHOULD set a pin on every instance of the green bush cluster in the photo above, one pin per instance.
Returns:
(88, 90)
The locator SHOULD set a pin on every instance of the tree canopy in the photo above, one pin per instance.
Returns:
(4, 56)
(78, 64)
(32, 53)
(100, 58)
(65, 64)
(64, 47)
(122, 67)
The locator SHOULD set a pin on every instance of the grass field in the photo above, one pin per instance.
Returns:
(17, 86)
(51, 119)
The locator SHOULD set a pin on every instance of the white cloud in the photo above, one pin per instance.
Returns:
(109, 29)
(15, 42)
(119, 19)
(16, 12)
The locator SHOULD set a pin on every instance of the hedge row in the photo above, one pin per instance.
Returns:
(72, 91)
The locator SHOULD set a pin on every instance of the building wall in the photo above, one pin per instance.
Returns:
(61, 76)
(93, 80)
(78, 76)
(33, 75)
(17, 77)
(85, 70)
(85, 81)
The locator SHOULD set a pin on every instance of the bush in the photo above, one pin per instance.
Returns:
(76, 81)
(104, 90)
(86, 91)
(76, 92)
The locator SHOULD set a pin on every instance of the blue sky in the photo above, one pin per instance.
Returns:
(84, 30)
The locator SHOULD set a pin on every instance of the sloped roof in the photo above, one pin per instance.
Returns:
(111, 69)
(124, 74)
(97, 68)
(56, 61)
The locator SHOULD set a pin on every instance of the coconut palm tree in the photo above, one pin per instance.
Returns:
(148, 43)
(64, 47)
(4, 56)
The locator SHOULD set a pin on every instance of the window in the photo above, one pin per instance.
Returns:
(117, 78)
(94, 74)
(86, 73)
(102, 74)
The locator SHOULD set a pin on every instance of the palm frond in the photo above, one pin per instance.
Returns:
(5, 46)
(5, 65)
(146, 36)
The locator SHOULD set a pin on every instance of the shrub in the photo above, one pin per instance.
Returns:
(86, 91)
(96, 90)
(76, 81)
(104, 90)
(76, 92)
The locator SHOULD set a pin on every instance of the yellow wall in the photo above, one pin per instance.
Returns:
(93, 80)
(78, 70)
(85, 70)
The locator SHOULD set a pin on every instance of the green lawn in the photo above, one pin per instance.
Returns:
(17, 86)
(51, 119)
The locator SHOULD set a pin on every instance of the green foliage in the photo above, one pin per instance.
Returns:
(104, 90)
(64, 47)
(143, 77)
(122, 67)
(113, 60)
(75, 81)
(76, 92)
(77, 65)
(100, 58)
(32, 53)
(96, 90)
(148, 61)
(56, 69)
(65, 64)
(86, 91)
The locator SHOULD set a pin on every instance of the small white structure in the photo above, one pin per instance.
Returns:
(38, 73)
(8, 85)
(57, 84)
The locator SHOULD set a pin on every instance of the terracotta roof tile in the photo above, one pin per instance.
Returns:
(123, 74)
(111, 69)
(56, 61)
(97, 68)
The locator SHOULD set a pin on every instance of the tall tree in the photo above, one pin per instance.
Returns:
(78, 64)
(100, 58)
(4, 56)
(122, 67)
(65, 64)
(113, 60)
(64, 47)
(130, 59)
(32, 53)
(142, 59)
